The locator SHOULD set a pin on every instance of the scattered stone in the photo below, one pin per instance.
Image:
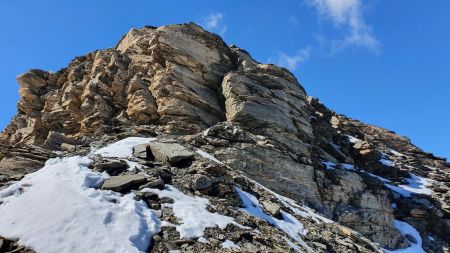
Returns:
(124, 183)
(113, 168)
(142, 151)
(153, 183)
(272, 208)
(201, 182)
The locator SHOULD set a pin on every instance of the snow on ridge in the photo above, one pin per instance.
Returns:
(192, 213)
(306, 212)
(348, 166)
(332, 166)
(208, 156)
(353, 139)
(385, 161)
(329, 165)
(396, 153)
(59, 209)
(289, 224)
(406, 229)
(293, 245)
(75, 216)
(415, 185)
(122, 148)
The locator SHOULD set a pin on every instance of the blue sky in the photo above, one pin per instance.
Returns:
(384, 62)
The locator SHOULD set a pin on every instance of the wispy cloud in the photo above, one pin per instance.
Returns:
(292, 62)
(347, 14)
(214, 22)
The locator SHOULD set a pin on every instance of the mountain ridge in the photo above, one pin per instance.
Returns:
(182, 83)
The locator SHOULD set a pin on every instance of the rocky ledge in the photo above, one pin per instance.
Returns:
(185, 86)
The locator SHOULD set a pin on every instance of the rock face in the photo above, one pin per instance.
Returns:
(187, 85)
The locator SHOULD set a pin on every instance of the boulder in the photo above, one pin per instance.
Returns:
(142, 151)
(153, 183)
(201, 182)
(272, 208)
(113, 168)
(124, 183)
(171, 153)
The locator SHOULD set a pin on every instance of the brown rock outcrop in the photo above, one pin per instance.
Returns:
(185, 83)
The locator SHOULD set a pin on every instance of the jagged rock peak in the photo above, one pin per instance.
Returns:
(179, 77)
(183, 84)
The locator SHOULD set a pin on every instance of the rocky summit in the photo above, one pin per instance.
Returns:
(207, 150)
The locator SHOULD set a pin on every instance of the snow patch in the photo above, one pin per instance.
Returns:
(289, 224)
(203, 240)
(406, 229)
(396, 153)
(205, 133)
(416, 185)
(352, 139)
(60, 209)
(302, 211)
(385, 161)
(306, 212)
(293, 245)
(329, 165)
(133, 166)
(122, 148)
(229, 245)
(192, 213)
(382, 179)
(348, 166)
(208, 156)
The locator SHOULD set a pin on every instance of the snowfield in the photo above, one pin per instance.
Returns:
(59, 209)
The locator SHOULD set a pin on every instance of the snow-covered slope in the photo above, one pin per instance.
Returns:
(61, 208)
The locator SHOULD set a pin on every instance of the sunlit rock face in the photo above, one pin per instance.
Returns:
(185, 84)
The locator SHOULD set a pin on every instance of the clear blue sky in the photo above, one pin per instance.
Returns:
(385, 62)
